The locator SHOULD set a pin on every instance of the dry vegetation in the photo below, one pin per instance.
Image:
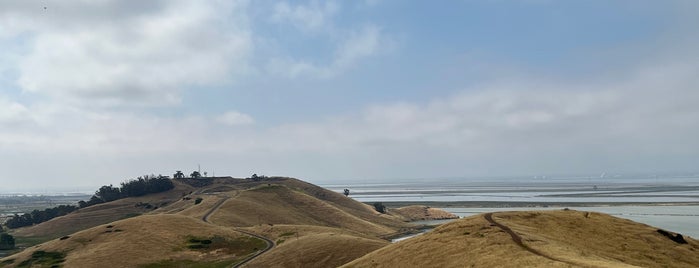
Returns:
(581, 239)
(101, 214)
(313, 246)
(143, 240)
(312, 227)
(417, 212)
(278, 204)
(315, 227)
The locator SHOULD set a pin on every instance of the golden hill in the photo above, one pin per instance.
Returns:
(418, 212)
(166, 240)
(537, 239)
(310, 227)
(313, 246)
(101, 214)
(279, 204)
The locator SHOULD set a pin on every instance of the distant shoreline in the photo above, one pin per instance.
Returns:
(508, 204)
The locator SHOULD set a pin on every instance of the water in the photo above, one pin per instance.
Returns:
(670, 202)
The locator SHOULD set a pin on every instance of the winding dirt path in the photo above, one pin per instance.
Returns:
(270, 243)
(518, 240)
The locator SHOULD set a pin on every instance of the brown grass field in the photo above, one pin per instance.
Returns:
(570, 238)
(313, 246)
(418, 212)
(314, 227)
(143, 240)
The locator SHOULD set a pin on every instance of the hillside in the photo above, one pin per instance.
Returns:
(279, 204)
(153, 239)
(306, 225)
(101, 214)
(313, 246)
(538, 239)
(418, 212)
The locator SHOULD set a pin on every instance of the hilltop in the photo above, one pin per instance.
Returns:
(286, 215)
(563, 238)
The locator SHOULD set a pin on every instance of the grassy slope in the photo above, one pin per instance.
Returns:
(417, 212)
(585, 239)
(139, 240)
(100, 214)
(278, 200)
(313, 246)
(279, 204)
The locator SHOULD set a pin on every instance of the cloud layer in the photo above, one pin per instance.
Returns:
(98, 89)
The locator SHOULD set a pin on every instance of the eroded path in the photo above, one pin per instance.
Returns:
(518, 240)
(270, 243)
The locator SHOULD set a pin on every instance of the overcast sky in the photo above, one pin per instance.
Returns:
(96, 92)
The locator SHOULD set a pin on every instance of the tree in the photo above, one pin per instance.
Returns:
(6, 241)
(195, 175)
(380, 207)
(178, 175)
(108, 193)
(346, 192)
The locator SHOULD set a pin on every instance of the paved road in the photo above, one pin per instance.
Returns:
(518, 240)
(270, 243)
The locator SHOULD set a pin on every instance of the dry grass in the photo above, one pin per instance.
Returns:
(144, 240)
(101, 214)
(278, 204)
(584, 239)
(313, 227)
(417, 212)
(308, 247)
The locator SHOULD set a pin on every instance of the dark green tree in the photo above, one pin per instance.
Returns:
(7, 241)
(380, 207)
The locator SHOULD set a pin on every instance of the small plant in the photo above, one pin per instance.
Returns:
(287, 234)
(380, 207)
(198, 200)
(44, 258)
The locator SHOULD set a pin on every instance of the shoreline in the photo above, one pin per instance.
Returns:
(509, 204)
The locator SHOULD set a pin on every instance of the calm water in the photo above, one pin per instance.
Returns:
(679, 196)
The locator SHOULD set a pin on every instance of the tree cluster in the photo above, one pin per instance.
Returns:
(39, 216)
(140, 186)
(143, 185)
(6, 241)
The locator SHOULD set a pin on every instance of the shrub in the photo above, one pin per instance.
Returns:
(198, 200)
(380, 207)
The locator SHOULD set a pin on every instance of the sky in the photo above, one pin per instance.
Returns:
(98, 92)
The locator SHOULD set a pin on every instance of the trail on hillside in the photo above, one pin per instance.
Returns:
(518, 240)
(270, 243)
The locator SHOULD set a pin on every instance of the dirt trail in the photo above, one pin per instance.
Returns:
(270, 243)
(518, 240)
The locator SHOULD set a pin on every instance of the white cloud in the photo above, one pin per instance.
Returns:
(12, 113)
(308, 18)
(234, 118)
(358, 45)
(114, 54)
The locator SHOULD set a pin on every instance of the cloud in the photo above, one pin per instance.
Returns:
(234, 118)
(12, 113)
(358, 45)
(308, 18)
(115, 53)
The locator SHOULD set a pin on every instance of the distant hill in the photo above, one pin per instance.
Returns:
(539, 239)
(309, 226)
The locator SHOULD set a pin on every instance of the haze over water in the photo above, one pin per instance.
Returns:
(670, 202)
